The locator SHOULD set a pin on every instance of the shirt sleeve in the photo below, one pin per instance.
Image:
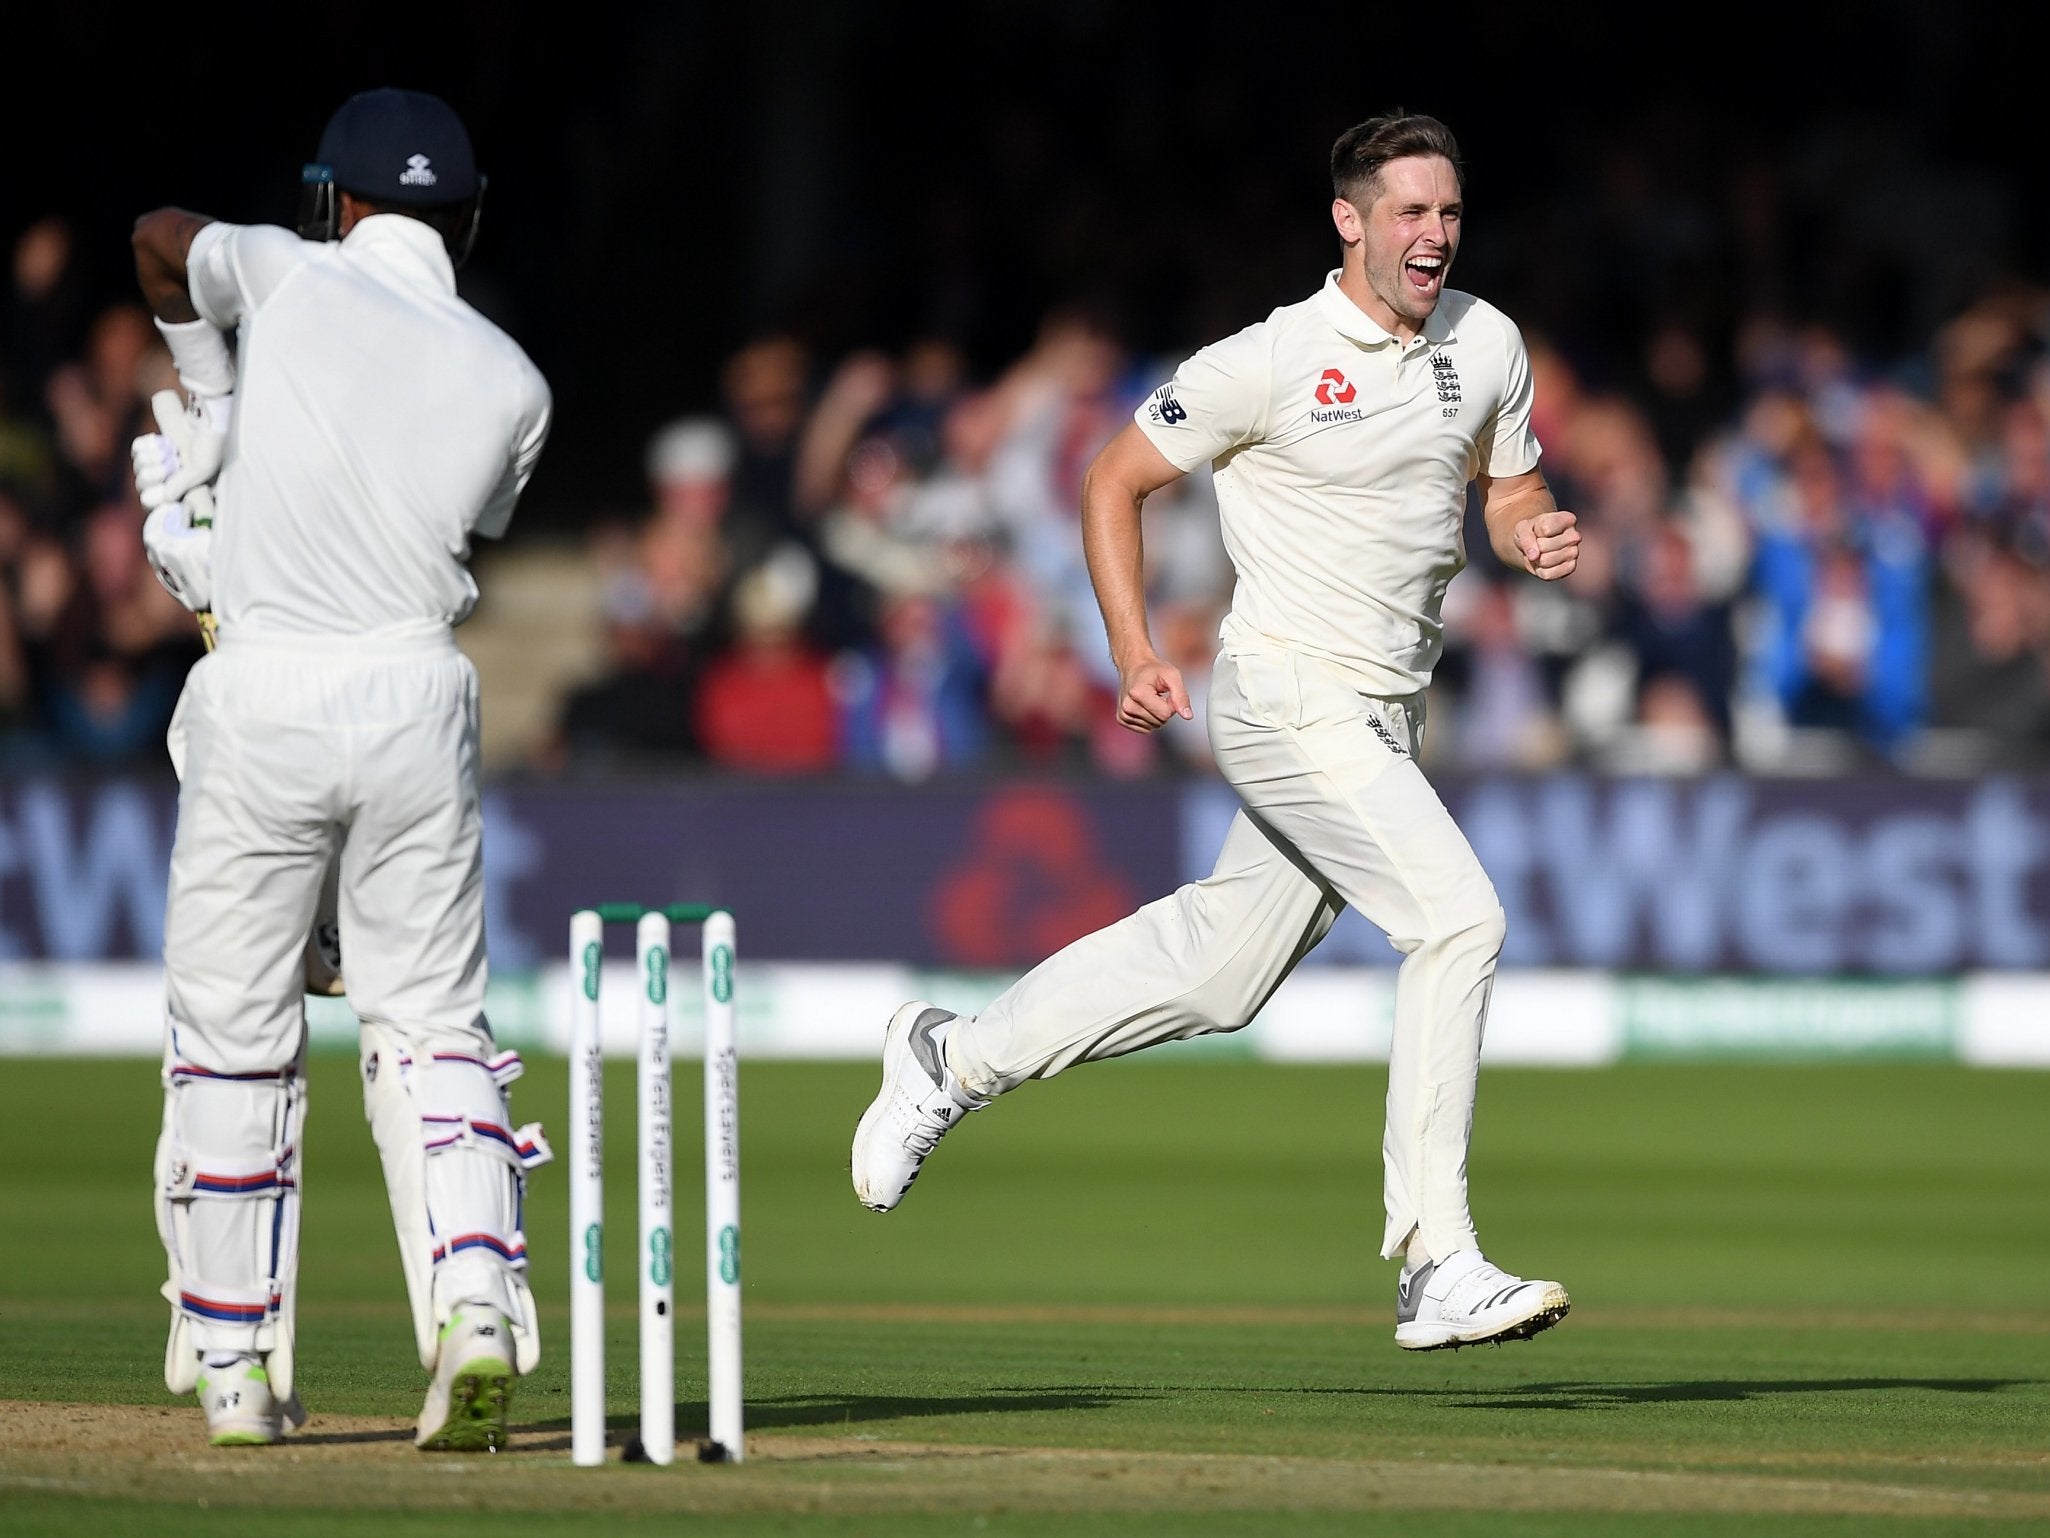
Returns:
(1216, 401)
(1509, 446)
(232, 269)
(537, 412)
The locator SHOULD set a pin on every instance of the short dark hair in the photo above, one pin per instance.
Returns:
(445, 219)
(1361, 151)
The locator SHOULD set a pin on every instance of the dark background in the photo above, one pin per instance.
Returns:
(668, 181)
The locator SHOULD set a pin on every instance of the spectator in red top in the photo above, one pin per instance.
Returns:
(766, 704)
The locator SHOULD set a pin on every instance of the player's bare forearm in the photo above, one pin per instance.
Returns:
(1119, 480)
(162, 240)
(1113, 493)
(1527, 527)
(1111, 542)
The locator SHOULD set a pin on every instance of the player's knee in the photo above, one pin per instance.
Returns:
(1491, 929)
(1227, 1004)
(1479, 926)
(1217, 1022)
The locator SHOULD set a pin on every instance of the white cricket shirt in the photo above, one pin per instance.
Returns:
(1342, 460)
(379, 422)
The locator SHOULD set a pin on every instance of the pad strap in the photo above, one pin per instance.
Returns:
(512, 1252)
(226, 1305)
(229, 1180)
(188, 1071)
(504, 1067)
(525, 1149)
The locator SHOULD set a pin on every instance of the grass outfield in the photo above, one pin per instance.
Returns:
(1143, 1298)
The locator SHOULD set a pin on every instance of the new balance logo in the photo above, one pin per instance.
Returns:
(1387, 737)
(418, 172)
(1165, 408)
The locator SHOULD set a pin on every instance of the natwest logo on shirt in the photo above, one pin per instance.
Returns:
(1335, 395)
(1335, 389)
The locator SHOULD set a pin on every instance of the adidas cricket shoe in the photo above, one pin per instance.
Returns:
(473, 1383)
(1467, 1300)
(919, 1103)
(241, 1410)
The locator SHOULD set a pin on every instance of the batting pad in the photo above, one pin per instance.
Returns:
(228, 1214)
(455, 1169)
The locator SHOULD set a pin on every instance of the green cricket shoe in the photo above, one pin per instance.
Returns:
(241, 1410)
(473, 1383)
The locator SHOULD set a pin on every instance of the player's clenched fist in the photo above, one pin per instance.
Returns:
(1549, 544)
(1151, 694)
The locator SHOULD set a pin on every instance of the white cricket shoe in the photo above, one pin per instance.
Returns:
(920, 1101)
(241, 1410)
(473, 1383)
(1466, 1300)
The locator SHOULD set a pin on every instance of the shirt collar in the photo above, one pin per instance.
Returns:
(407, 243)
(1356, 325)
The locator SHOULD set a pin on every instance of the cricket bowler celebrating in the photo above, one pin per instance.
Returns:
(368, 425)
(1344, 431)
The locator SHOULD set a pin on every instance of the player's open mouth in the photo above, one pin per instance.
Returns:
(1425, 272)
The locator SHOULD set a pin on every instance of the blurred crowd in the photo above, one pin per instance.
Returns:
(884, 575)
(92, 651)
(1846, 564)
(1799, 560)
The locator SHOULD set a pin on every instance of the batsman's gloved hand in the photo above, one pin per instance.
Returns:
(187, 453)
(180, 552)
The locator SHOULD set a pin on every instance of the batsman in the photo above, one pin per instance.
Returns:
(317, 497)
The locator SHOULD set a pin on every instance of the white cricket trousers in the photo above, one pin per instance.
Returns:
(1335, 812)
(287, 752)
